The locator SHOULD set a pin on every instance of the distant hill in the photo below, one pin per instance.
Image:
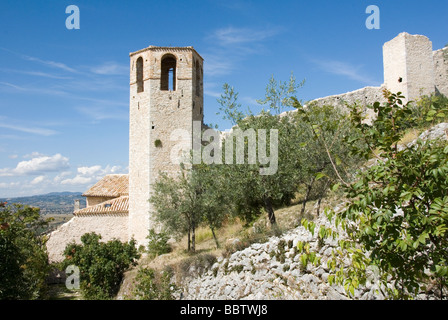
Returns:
(51, 203)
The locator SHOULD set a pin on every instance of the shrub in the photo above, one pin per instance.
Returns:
(23, 258)
(195, 265)
(158, 143)
(427, 111)
(101, 264)
(397, 215)
(158, 243)
(151, 285)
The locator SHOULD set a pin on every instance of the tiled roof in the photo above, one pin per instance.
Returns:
(117, 205)
(112, 185)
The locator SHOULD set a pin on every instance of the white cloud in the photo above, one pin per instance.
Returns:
(7, 84)
(61, 176)
(211, 89)
(6, 185)
(37, 180)
(218, 64)
(34, 73)
(103, 112)
(37, 165)
(232, 35)
(54, 64)
(345, 69)
(231, 45)
(78, 180)
(34, 90)
(34, 154)
(89, 171)
(27, 129)
(110, 68)
(88, 175)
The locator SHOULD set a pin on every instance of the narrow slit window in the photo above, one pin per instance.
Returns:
(168, 74)
(140, 75)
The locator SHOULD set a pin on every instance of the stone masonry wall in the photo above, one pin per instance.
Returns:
(441, 70)
(408, 65)
(273, 271)
(364, 96)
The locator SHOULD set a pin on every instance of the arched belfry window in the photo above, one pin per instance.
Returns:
(198, 79)
(168, 73)
(139, 70)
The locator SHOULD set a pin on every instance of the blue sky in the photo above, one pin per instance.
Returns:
(64, 94)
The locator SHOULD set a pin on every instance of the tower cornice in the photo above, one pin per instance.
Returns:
(173, 49)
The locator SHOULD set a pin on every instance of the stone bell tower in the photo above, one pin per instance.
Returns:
(166, 96)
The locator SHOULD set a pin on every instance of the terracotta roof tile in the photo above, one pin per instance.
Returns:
(117, 205)
(112, 185)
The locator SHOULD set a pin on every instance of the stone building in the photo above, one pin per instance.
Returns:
(166, 97)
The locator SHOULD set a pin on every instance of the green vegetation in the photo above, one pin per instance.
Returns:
(158, 143)
(245, 188)
(151, 285)
(183, 202)
(101, 264)
(158, 243)
(397, 211)
(24, 261)
(426, 112)
(397, 216)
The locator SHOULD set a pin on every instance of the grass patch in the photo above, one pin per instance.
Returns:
(203, 234)
(409, 136)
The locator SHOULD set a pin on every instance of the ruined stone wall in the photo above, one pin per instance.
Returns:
(411, 67)
(441, 71)
(364, 96)
(110, 226)
(420, 66)
(394, 65)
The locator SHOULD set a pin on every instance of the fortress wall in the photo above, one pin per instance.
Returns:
(364, 96)
(110, 226)
(420, 66)
(440, 58)
(408, 65)
(394, 65)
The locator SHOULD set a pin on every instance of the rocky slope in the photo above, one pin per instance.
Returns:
(273, 270)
